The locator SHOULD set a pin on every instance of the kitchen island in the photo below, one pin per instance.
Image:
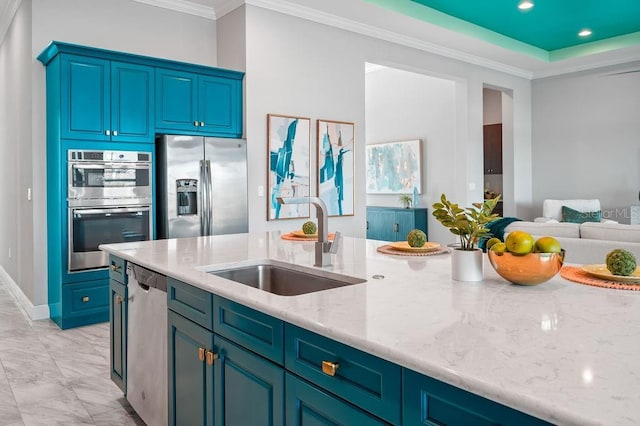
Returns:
(562, 352)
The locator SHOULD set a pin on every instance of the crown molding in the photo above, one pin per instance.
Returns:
(6, 17)
(325, 18)
(226, 7)
(183, 6)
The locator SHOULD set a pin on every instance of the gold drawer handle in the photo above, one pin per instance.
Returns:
(201, 352)
(85, 299)
(115, 268)
(211, 357)
(329, 368)
(119, 300)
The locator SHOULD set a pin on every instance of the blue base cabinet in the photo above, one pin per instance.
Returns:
(308, 405)
(393, 224)
(431, 402)
(190, 372)
(249, 389)
(118, 308)
(213, 381)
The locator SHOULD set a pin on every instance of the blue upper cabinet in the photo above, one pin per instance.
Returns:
(85, 84)
(132, 100)
(220, 106)
(207, 104)
(176, 106)
(106, 101)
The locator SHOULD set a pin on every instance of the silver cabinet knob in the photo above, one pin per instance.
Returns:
(115, 133)
(107, 132)
(202, 124)
(195, 123)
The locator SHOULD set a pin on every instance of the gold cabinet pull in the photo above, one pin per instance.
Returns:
(119, 300)
(85, 299)
(115, 268)
(211, 357)
(201, 352)
(329, 368)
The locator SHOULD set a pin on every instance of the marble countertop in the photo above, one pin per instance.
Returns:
(560, 351)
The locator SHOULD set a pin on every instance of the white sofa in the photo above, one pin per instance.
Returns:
(586, 243)
(552, 209)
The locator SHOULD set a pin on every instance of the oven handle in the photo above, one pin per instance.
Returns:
(111, 165)
(112, 210)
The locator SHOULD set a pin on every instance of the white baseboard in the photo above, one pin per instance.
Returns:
(34, 312)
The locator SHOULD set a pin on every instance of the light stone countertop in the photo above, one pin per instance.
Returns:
(560, 351)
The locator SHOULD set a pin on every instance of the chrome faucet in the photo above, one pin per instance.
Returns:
(324, 248)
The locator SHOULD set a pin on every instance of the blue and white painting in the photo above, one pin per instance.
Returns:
(288, 141)
(335, 166)
(394, 168)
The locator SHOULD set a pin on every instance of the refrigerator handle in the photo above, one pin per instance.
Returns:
(209, 198)
(203, 208)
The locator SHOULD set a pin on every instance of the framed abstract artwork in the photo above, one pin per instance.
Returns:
(335, 166)
(394, 167)
(288, 140)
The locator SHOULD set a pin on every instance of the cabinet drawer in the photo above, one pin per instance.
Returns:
(306, 404)
(363, 379)
(190, 302)
(254, 330)
(117, 269)
(86, 298)
(427, 401)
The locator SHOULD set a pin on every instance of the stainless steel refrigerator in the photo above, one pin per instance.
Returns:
(202, 186)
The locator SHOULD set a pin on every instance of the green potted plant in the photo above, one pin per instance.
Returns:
(406, 200)
(469, 224)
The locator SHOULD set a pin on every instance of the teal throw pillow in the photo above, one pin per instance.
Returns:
(574, 216)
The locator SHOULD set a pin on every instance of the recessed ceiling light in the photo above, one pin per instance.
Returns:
(525, 5)
(585, 33)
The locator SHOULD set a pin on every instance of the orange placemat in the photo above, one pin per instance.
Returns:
(388, 249)
(577, 275)
(291, 237)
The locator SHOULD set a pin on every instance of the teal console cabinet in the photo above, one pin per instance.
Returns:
(393, 224)
(206, 104)
(118, 321)
(106, 100)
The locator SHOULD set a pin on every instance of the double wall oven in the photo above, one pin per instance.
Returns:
(109, 200)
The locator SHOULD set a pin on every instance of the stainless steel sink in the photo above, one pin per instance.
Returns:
(284, 281)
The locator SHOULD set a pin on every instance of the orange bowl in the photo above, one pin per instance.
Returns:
(528, 269)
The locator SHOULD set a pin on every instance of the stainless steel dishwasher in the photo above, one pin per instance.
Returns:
(147, 345)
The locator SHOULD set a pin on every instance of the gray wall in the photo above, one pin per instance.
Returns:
(402, 105)
(16, 213)
(299, 67)
(586, 132)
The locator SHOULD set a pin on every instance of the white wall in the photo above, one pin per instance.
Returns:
(16, 214)
(299, 67)
(491, 106)
(403, 105)
(586, 129)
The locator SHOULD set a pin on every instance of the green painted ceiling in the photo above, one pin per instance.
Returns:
(548, 31)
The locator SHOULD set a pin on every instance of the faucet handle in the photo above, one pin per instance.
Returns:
(335, 245)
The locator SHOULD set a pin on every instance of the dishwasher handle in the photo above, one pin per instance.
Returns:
(149, 279)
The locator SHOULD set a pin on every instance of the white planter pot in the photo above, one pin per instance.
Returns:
(466, 265)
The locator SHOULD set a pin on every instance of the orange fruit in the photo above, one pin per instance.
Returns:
(519, 242)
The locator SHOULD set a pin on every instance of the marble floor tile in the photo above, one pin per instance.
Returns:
(50, 376)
